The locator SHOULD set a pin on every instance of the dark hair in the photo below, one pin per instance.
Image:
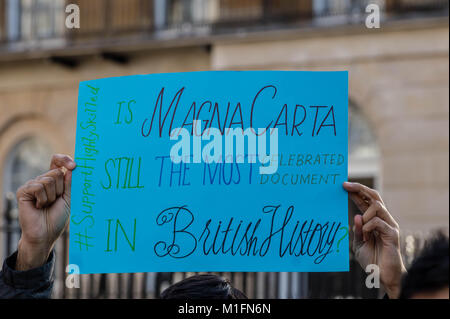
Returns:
(429, 271)
(203, 287)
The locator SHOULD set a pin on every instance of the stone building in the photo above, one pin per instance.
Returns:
(398, 79)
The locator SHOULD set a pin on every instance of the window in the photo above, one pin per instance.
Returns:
(363, 150)
(35, 19)
(27, 159)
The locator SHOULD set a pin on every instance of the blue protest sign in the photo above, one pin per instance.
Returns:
(211, 171)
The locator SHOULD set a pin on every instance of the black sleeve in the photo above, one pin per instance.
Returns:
(33, 283)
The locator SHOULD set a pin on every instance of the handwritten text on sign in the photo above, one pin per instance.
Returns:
(211, 171)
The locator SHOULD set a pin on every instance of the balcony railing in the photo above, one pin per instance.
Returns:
(31, 24)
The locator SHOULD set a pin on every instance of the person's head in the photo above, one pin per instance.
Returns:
(203, 287)
(428, 275)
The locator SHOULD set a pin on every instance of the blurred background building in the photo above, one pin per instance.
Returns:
(398, 89)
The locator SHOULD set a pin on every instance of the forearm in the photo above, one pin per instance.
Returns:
(393, 289)
(31, 256)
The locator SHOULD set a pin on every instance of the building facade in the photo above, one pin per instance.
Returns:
(398, 82)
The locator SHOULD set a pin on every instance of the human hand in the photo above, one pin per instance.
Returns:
(44, 210)
(376, 237)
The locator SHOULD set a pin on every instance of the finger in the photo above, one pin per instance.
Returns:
(61, 160)
(380, 226)
(356, 198)
(357, 232)
(377, 209)
(50, 188)
(363, 191)
(361, 204)
(34, 192)
(58, 176)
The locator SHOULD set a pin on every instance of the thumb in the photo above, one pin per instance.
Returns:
(67, 185)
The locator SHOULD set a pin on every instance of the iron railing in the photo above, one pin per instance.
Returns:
(26, 24)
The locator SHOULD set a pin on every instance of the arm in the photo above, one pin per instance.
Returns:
(32, 283)
(44, 210)
(376, 237)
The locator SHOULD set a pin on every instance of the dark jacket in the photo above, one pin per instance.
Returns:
(33, 283)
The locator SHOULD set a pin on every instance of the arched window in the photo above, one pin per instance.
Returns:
(363, 150)
(27, 159)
